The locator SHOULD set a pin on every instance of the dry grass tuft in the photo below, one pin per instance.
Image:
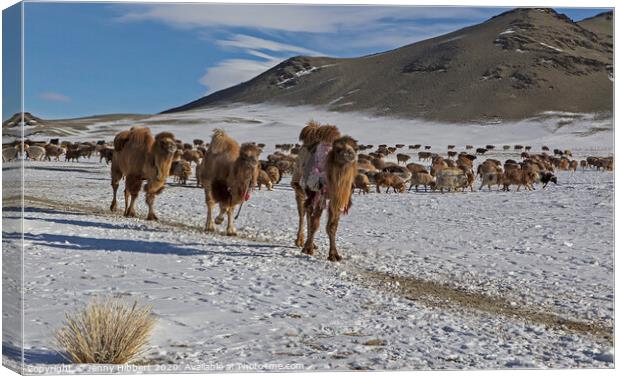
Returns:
(106, 331)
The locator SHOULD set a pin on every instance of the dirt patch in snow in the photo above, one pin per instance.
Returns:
(439, 295)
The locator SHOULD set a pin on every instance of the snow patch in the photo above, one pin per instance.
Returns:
(549, 46)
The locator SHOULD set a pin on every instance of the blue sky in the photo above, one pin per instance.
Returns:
(85, 59)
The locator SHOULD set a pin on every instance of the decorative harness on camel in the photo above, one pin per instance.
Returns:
(314, 176)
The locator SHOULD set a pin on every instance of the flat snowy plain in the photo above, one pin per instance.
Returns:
(472, 280)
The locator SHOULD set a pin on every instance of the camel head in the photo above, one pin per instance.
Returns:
(165, 144)
(248, 155)
(344, 150)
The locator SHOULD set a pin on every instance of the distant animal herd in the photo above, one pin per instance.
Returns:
(326, 168)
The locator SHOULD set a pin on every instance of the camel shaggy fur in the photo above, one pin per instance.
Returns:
(331, 185)
(139, 156)
(226, 174)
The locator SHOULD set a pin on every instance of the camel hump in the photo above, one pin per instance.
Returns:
(135, 137)
(120, 140)
(314, 133)
(222, 143)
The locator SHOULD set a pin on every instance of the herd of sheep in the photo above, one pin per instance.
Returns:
(451, 171)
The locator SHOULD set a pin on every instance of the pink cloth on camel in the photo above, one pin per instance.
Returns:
(315, 174)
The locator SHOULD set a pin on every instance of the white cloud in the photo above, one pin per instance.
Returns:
(262, 55)
(383, 37)
(295, 18)
(234, 71)
(254, 43)
(54, 97)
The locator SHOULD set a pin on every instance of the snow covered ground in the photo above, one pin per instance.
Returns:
(277, 124)
(428, 281)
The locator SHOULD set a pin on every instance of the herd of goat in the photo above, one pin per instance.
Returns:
(451, 171)
(325, 169)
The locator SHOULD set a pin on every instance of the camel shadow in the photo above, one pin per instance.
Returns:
(63, 169)
(101, 225)
(71, 242)
(30, 209)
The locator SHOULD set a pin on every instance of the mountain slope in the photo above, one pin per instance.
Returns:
(602, 25)
(16, 120)
(515, 65)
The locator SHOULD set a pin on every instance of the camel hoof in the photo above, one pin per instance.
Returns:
(210, 228)
(231, 233)
(219, 220)
(152, 217)
(130, 215)
(113, 207)
(307, 251)
(334, 257)
(299, 242)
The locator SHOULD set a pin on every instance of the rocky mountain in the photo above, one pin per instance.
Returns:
(512, 66)
(602, 25)
(16, 120)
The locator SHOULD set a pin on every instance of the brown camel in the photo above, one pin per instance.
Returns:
(323, 177)
(139, 156)
(226, 174)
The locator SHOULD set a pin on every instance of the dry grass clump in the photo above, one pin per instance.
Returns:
(106, 331)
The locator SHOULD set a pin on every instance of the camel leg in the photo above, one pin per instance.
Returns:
(210, 225)
(230, 229)
(151, 192)
(220, 217)
(114, 204)
(126, 194)
(116, 177)
(332, 227)
(132, 184)
(150, 200)
(314, 220)
(300, 197)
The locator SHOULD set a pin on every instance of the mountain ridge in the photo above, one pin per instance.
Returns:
(514, 65)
